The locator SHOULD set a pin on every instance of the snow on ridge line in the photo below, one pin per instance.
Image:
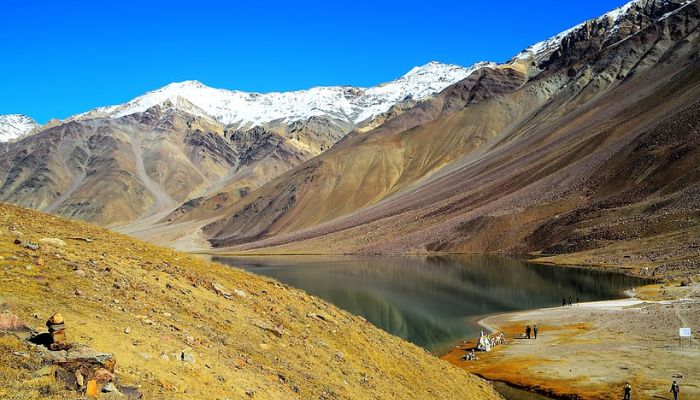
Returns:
(14, 126)
(541, 49)
(355, 104)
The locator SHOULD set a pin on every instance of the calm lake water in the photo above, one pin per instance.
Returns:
(435, 301)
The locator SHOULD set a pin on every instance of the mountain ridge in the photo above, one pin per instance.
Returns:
(15, 126)
(245, 184)
(484, 170)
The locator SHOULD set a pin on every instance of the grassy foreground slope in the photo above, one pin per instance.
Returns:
(266, 341)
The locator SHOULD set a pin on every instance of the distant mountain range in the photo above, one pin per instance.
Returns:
(344, 105)
(120, 164)
(576, 143)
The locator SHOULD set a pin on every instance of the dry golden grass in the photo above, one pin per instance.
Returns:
(167, 300)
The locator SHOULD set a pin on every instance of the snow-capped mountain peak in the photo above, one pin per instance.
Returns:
(14, 126)
(541, 50)
(345, 103)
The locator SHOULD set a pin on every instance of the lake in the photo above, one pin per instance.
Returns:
(435, 301)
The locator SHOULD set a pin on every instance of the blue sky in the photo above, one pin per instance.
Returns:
(59, 58)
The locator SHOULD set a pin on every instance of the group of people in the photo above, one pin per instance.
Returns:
(485, 343)
(627, 391)
(529, 332)
(571, 301)
(470, 356)
(488, 341)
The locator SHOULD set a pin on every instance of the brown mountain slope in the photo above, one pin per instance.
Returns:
(266, 341)
(603, 138)
(114, 171)
(364, 168)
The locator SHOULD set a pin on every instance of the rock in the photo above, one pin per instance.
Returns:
(165, 384)
(80, 273)
(55, 242)
(78, 292)
(49, 370)
(131, 392)
(239, 363)
(57, 330)
(186, 357)
(79, 357)
(240, 293)
(322, 317)
(55, 319)
(109, 388)
(10, 322)
(277, 330)
(189, 340)
(127, 330)
(79, 379)
(28, 267)
(27, 244)
(221, 291)
(103, 376)
(84, 239)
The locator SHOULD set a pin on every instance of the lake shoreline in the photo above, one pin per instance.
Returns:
(584, 350)
(564, 327)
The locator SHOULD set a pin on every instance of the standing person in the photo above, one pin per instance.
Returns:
(570, 301)
(534, 330)
(627, 392)
(527, 332)
(563, 301)
(675, 389)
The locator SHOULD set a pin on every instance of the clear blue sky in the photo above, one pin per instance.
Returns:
(58, 58)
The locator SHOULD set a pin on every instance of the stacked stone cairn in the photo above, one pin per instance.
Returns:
(57, 330)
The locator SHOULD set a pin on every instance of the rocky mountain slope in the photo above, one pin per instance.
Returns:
(14, 126)
(575, 144)
(129, 165)
(183, 328)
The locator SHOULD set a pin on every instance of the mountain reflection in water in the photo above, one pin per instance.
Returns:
(435, 301)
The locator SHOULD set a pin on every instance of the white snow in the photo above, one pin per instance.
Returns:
(246, 109)
(539, 51)
(14, 126)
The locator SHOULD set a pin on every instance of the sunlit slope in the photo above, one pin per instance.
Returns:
(266, 340)
(577, 158)
(368, 167)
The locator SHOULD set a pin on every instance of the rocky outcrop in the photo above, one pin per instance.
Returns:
(77, 367)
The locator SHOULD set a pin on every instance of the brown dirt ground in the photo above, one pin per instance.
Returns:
(589, 351)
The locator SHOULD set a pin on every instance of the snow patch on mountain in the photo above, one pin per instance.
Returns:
(246, 109)
(541, 50)
(14, 126)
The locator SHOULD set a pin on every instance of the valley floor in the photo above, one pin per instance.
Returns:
(589, 351)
